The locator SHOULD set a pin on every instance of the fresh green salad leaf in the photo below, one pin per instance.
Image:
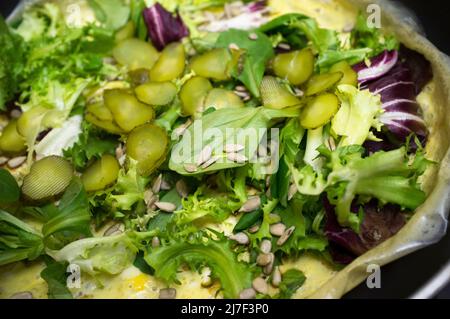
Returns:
(12, 51)
(55, 276)
(9, 189)
(234, 276)
(364, 36)
(256, 53)
(110, 255)
(18, 240)
(358, 113)
(391, 177)
(223, 121)
(112, 14)
(292, 280)
(72, 217)
(92, 144)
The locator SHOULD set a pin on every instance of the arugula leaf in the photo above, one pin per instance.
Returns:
(247, 220)
(142, 265)
(12, 51)
(256, 53)
(18, 240)
(224, 120)
(56, 278)
(9, 189)
(233, 275)
(292, 280)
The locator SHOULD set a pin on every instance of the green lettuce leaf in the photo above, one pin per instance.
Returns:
(234, 276)
(110, 255)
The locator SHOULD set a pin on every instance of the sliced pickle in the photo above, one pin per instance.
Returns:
(147, 144)
(11, 142)
(126, 32)
(319, 111)
(275, 95)
(27, 124)
(193, 95)
(322, 82)
(170, 64)
(101, 174)
(139, 76)
(156, 93)
(99, 115)
(100, 111)
(350, 76)
(214, 64)
(48, 178)
(222, 98)
(127, 111)
(296, 66)
(135, 54)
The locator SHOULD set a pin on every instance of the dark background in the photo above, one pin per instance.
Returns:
(401, 278)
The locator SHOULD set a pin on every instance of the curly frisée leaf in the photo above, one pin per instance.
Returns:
(359, 112)
(234, 276)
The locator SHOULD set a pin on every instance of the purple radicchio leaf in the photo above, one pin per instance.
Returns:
(379, 224)
(379, 66)
(164, 27)
(398, 89)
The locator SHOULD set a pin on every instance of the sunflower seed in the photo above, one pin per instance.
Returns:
(299, 92)
(22, 295)
(235, 157)
(182, 188)
(253, 36)
(242, 94)
(251, 204)
(190, 168)
(276, 277)
(284, 46)
(248, 293)
(167, 293)
(241, 88)
(115, 229)
(165, 185)
(266, 246)
(253, 229)
(292, 191)
(260, 285)
(277, 229)
(16, 161)
(233, 46)
(166, 206)
(269, 267)
(204, 155)
(15, 114)
(287, 233)
(150, 198)
(264, 259)
(3, 160)
(209, 162)
(205, 275)
(156, 242)
(233, 148)
(180, 130)
(156, 187)
(240, 238)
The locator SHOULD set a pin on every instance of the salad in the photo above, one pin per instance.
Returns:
(210, 142)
